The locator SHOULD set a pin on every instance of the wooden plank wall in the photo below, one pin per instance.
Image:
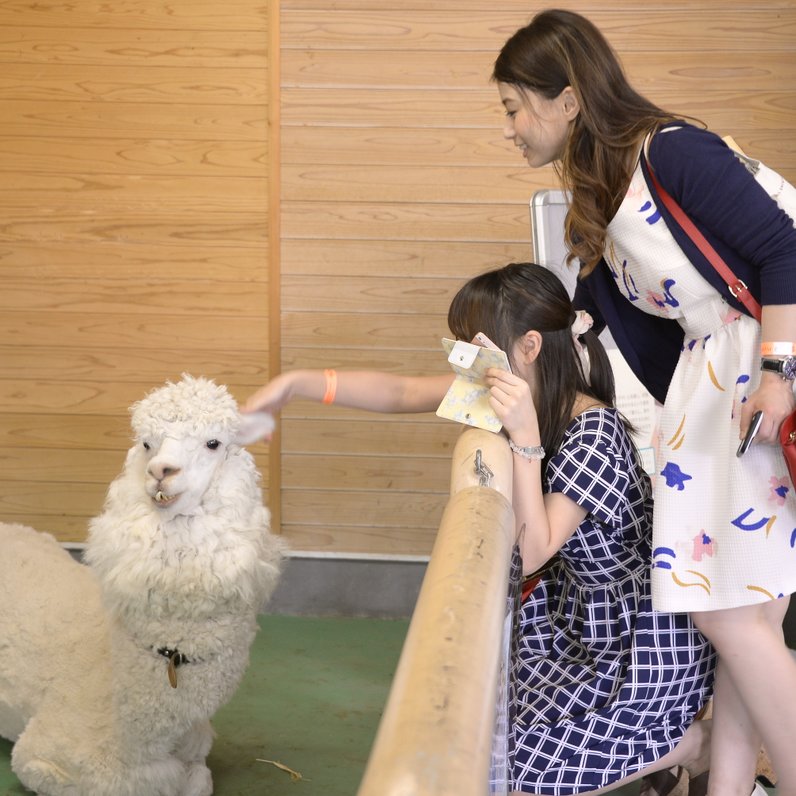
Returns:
(397, 186)
(134, 230)
(138, 189)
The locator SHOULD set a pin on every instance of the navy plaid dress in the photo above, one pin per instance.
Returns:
(601, 684)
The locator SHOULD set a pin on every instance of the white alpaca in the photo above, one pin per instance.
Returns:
(109, 673)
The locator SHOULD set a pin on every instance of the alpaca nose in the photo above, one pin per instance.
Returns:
(161, 470)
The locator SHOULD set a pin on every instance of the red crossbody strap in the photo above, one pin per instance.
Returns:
(737, 286)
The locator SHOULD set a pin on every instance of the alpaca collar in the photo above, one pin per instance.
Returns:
(175, 659)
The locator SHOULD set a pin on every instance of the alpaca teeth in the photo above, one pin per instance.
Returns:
(162, 499)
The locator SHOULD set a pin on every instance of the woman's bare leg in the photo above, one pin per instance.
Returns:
(735, 741)
(755, 696)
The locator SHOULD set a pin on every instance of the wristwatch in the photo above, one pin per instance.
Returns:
(785, 367)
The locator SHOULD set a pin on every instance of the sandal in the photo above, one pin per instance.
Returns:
(667, 782)
(698, 785)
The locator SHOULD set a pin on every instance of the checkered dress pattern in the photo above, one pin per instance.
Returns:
(601, 684)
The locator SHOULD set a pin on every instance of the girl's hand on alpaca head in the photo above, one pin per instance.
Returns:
(271, 397)
(510, 398)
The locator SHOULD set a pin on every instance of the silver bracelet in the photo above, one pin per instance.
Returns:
(531, 452)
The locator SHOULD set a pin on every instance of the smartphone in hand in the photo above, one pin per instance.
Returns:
(482, 340)
(754, 427)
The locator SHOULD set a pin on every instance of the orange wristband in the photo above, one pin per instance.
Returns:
(331, 386)
(777, 349)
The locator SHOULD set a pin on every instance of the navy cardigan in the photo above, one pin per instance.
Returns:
(755, 238)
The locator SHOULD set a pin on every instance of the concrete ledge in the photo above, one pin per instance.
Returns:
(316, 584)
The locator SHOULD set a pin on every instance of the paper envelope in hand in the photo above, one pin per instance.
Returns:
(467, 400)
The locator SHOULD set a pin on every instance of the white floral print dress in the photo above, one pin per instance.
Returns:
(724, 528)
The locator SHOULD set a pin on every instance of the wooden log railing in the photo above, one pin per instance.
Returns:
(436, 733)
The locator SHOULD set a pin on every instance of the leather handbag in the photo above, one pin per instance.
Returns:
(787, 436)
(787, 431)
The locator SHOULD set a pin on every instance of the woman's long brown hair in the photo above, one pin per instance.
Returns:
(559, 49)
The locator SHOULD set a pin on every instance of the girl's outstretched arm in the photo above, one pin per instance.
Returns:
(363, 389)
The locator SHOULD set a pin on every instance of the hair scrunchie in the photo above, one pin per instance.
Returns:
(582, 323)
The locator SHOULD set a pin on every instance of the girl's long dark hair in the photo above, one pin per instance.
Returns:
(506, 303)
(559, 49)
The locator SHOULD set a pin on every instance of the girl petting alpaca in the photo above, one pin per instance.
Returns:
(603, 688)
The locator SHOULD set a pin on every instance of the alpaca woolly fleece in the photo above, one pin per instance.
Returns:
(179, 563)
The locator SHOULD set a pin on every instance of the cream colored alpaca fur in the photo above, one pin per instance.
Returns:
(180, 559)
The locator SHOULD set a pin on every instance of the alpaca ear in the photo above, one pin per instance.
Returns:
(254, 426)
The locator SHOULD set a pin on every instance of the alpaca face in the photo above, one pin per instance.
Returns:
(180, 468)
(184, 434)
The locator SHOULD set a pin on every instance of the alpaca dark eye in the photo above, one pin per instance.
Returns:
(213, 444)
(146, 446)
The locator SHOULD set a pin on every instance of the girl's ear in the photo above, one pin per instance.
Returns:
(569, 103)
(530, 344)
